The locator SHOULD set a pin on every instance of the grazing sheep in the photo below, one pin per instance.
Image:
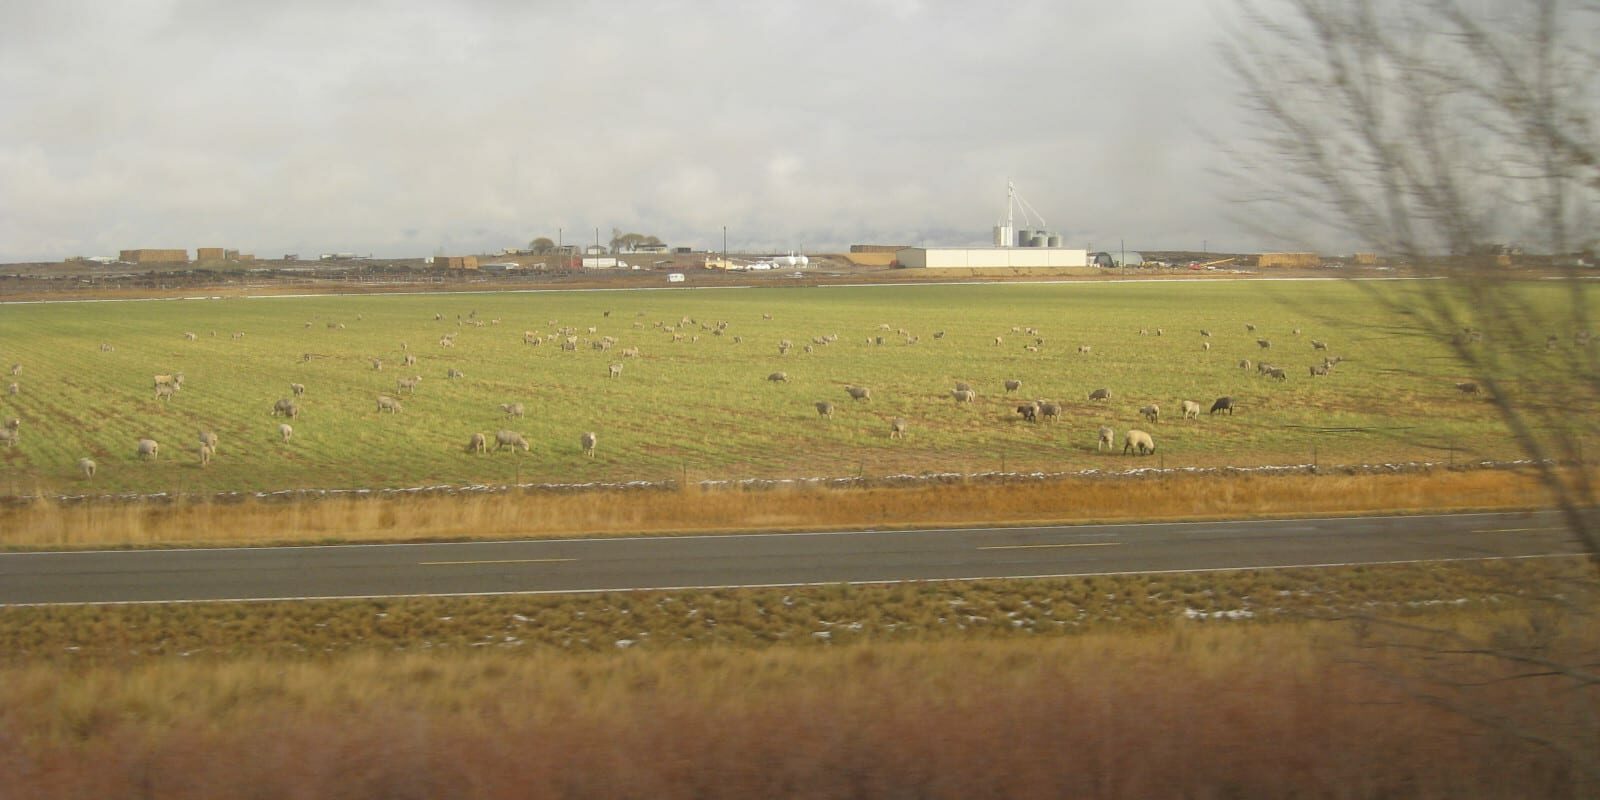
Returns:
(999, 340)
(614, 371)
(1244, 363)
(825, 409)
(105, 347)
(897, 428)
(633, 352)
(209, 439)
(1100, 394)
(1319, 369)
(587, 442)
(1263, 368)
(1160, 332)
(408, 360)
(205, 452)
(285, 432)
(9, 437)
(1278, 374)
(1223, 404)
(1139, 441)
(407, 384)
(389, 404)
(512, 409)
(858, 392)
(1151, 413)
(1050, 412)
(148, 448)
(1264, 343)
(297, 389)
(285, 407)
(962, 386)
(1107, 441)
(530, 337)
(1204, 332)
(1205, 345)
(1013, 385)
(1249, 327)
(87, 467)
(1469, 387)
(377, 364)
(510, 439)
(1083, 348)
(478, 443)
(236, 335)
(778, 377)
(964, 395)
(454, 373)
(1029, 412)
(938, 334)
(189, 336)
(165, 380)
(1296, 331)
(1191, 409)
(163, 392)
(1318, 345)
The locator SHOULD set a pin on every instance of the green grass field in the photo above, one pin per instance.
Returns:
(702, 407)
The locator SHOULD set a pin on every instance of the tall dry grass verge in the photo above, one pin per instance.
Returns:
(111, 523)
(1176, 713)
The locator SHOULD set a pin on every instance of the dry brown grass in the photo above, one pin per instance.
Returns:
(1188, 712)
(48, 524)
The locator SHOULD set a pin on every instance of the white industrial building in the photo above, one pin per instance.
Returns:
(991, 257)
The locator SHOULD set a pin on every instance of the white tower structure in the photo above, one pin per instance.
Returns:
(1006, 234)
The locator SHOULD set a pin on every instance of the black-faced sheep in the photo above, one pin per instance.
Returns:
(964, 395)
(587, 442)
(1469, 387)
(1151, 413)
(1223, 404)
(858, 392)
(1013, 385)
(1050, 411)
(1029, 411)
(778, 377)
(825, 409)
(1100, 394)
(209, 439)
(285, 407)
(1264, 343)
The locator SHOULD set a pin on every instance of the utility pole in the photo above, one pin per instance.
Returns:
(724, 247)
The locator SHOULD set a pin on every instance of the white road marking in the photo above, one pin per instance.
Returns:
(494, 561)
(1043, 546)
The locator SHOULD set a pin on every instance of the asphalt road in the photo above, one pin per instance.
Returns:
(588, 565)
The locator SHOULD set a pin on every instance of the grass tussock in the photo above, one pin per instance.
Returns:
(47, 524)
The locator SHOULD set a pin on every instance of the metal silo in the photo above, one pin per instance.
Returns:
(1038, 241)
(1024, 237)
(1054, 240)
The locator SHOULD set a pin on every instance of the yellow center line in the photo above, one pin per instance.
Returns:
(1040, 546)
(496, 561)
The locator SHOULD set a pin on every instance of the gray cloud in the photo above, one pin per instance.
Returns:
(400, 127)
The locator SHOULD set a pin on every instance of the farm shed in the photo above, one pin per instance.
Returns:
(1288, 260)
(991, 257)
(456, 262)
(150, 256)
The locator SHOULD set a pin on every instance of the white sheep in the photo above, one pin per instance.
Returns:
(478, 443)
(512, 409)
(1151, 412)
(209, 439)
(510, 439)
(1137, 440)
(87, 467)
(587, 442)
(297, 389)
(149, 448)
(1100, 394)
(897, 428)
(614, 371)
(778, 377)
(825, 409)
(858, 392)
(1191, 409)
(285, 431)
(389, 404)
(205, 452)
(1108, 439)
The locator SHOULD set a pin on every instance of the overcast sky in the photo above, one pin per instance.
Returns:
(409, 128)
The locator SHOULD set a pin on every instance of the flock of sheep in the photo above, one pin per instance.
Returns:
(1135, 441)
